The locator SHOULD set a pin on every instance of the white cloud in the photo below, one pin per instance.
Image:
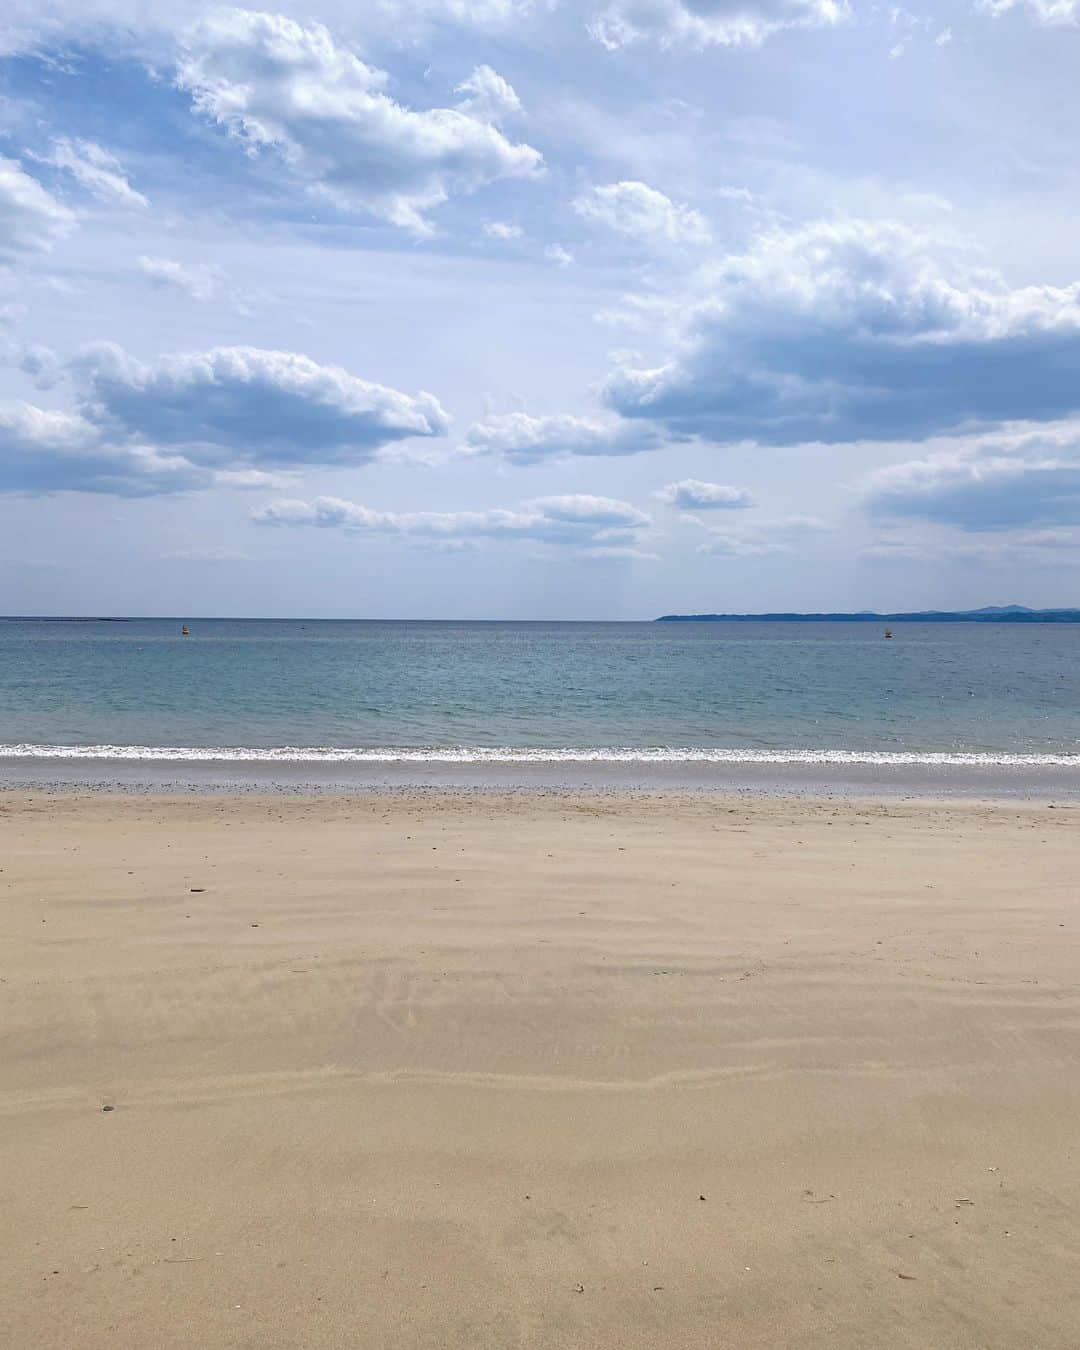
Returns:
(290, 88)
(233, 406)
(583, 509)
(136, 25)
(133, 24)
(1002, 482)
(201, 282)
(560, 256)
(708, 23)
(223, 417)
(44, 451)
(1050, 12)
(31, 219)
(42, 365)
(617, 551)
(523, 439)
(641, 212)
(25, 425)
(198, 281)
(857, 330)
(502, 229)
(486, 14)
(488, 96)
(95, 169)
(578, 521)
(691, 494)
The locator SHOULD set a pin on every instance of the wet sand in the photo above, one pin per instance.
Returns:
(985, 782)
(538, 1070)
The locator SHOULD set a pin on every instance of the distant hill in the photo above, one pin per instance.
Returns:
(991, 614)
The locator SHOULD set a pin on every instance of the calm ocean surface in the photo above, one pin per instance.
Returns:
(311, 691)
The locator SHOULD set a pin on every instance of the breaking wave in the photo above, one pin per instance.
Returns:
(471, 754)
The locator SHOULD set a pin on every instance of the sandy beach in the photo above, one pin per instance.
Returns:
(538, 1070)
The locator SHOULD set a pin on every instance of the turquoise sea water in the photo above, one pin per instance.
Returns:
(504, 692)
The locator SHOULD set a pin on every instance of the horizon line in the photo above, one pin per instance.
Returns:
(684, 615)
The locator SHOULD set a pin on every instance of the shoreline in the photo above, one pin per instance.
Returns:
(845, 780)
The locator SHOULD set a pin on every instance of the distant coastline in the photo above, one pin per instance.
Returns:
(991, 614)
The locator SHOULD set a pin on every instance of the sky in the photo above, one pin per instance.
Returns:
(538, 309)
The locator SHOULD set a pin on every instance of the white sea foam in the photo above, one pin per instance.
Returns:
(466, 754)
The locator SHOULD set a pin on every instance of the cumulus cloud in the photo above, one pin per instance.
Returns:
(239, 405)
(643, 213)
(198, 281)
(691, 494)
(31, 219)
(999, 483)
(42, 365)
(578, 521)
(96, 170)
(288, 87)
(44, 451)
(560, 256)
(858, 330)
(488, 96)
(33, 358)
(711, 23)
(523, 439)
(231, 416)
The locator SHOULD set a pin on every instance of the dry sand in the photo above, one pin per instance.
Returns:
(538, 1071)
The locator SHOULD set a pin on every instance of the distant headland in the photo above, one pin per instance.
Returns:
(991, 614)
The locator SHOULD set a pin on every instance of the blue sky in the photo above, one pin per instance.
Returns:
(524, 308)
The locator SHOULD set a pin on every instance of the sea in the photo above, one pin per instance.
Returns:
(338, 702)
